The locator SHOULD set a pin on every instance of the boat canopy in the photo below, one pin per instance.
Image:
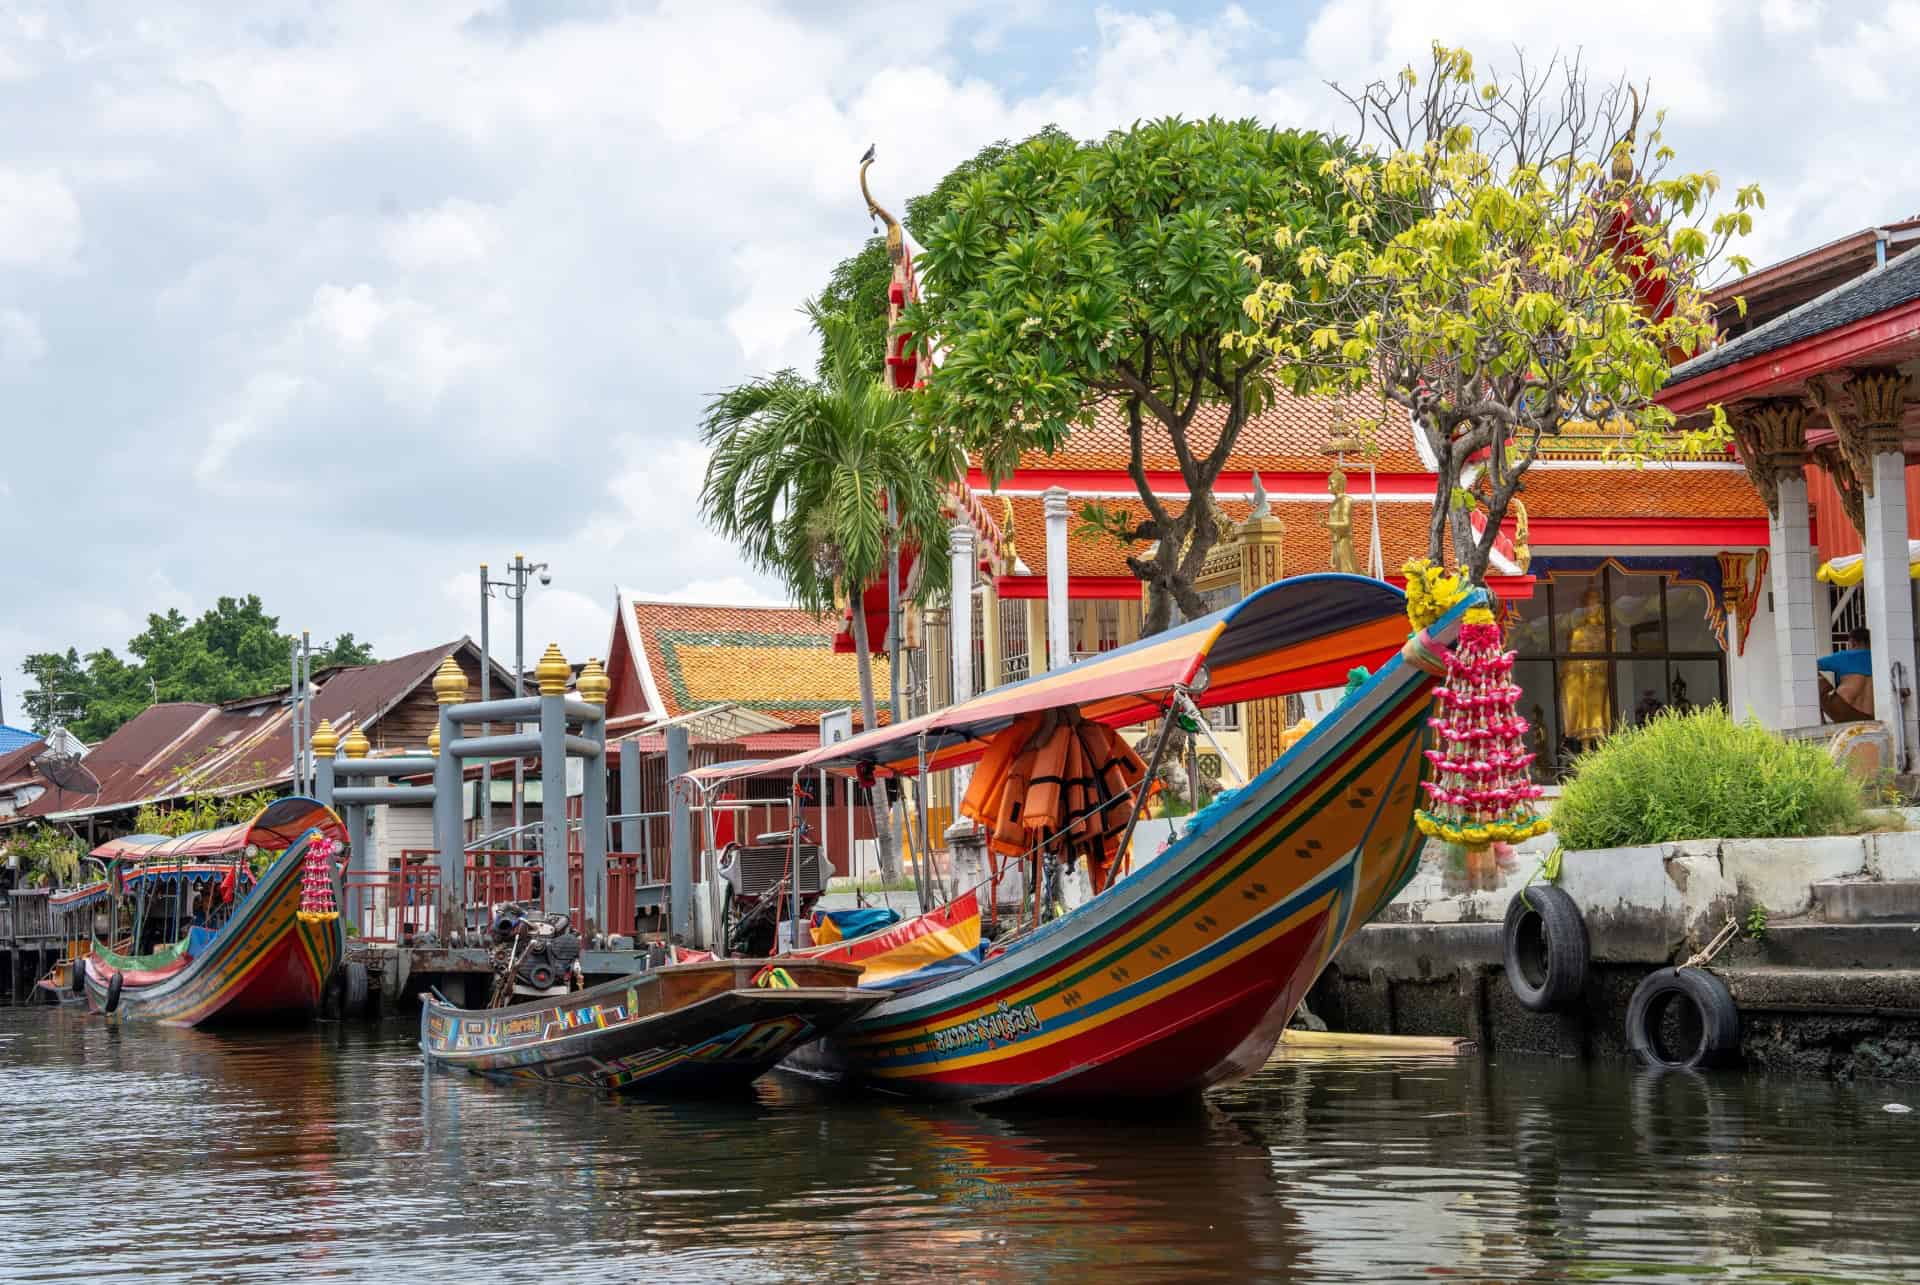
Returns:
(274, 829)
(1297, 635)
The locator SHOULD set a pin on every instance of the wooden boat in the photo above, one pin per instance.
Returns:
(1182, 973)
(705, 1027)
(272, 947)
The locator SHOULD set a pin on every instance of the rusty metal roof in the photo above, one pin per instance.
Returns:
(180, 748)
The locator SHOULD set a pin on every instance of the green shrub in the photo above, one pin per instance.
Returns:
(1700, 775)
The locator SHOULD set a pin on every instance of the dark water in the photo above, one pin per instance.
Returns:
(178, 1155)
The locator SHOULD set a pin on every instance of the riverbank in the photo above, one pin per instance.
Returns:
(1825, 973)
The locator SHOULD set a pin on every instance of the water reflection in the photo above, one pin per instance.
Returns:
(183, 1156)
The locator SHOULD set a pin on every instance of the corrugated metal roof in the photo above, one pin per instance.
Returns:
(12, 738)
(16, 763)
(179, 748)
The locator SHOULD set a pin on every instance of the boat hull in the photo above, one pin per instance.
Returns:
(696, 1028)
(1184, 974)
(268, 965)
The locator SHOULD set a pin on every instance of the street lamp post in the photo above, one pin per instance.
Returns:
(515, 588)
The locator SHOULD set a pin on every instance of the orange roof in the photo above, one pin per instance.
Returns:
(1287, 437)
(777, 660)
(1655, 491)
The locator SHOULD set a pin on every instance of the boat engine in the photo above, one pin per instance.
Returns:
(536, 955)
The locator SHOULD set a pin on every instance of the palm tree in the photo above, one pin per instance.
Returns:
(801, 476)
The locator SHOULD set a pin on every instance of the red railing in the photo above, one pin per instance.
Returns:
(392, 905)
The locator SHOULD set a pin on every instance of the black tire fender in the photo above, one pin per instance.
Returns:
(353, 989)
(1706, 1025)
(1544, 940)
(114, 984)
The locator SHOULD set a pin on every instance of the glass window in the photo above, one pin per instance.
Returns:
(1606, 649)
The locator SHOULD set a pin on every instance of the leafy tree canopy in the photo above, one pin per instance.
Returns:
(858, 286)
(1537, 271)
(234, 649)
(1068, 275)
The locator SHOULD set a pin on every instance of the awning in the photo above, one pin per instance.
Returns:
(1302, 634)
(276, 828)
(1850, 569)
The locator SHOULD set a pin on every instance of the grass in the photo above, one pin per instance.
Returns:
(1701, 775)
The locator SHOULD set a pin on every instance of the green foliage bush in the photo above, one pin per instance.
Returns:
(1700, 775)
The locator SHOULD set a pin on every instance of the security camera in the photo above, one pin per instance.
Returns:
(546, 577)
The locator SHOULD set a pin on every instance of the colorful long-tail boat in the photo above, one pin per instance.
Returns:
(1184, 971)
(275, 944)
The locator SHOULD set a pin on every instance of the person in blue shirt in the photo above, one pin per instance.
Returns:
(1847, 696)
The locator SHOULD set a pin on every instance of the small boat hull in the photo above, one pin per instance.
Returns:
(686, 1028)
(269, 964)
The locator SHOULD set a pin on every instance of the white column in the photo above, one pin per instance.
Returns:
(1737, 698)
(960, 612)
(1796, 622)
(1889, 592)
(1059, 631)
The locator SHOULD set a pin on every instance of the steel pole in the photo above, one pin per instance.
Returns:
(484, 808)
(679, 832)
(293, 699)
(306, 694)
(519, 668)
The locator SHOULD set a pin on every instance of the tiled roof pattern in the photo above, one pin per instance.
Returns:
(177, 748)
(778, 660)
(1877, 291)
(1655, 491)
(1287, 437)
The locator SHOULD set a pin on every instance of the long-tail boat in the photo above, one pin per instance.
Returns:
(1183, 972)
(265, 949)
(707, 1027)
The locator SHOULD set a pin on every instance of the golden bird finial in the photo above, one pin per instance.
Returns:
(896, 239)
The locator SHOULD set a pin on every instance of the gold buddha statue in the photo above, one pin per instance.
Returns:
(1584, 711)
(1340, 525)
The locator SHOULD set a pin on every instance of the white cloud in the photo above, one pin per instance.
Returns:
(418, 286)
(21, 343)
(724, 591)
(39, 220)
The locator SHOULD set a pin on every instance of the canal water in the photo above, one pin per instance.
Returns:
(327, 1154)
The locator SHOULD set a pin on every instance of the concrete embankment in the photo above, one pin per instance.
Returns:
(1831, 986)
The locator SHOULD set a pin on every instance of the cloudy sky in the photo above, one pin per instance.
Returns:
(334, 301)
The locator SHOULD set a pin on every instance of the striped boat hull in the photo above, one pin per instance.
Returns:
(267, 965)
(1183, 974)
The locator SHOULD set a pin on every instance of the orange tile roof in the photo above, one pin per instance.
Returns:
(1287, 437)
(1403, 535)
(1655, 491)
(778, 660)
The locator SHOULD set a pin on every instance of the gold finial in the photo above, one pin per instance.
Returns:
(356, 744)
(553, 671)
(325, 739)
(593, 683)
(896, 242)
(1622, 171)
(433, 741)
(449, 683)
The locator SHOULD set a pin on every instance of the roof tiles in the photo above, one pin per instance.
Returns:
(778, 660)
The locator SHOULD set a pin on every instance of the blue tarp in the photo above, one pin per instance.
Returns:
(858, 923)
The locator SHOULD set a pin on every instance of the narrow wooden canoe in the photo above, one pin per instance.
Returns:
(269, 962)
(685, 1028)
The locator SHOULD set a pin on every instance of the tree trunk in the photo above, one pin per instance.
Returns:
(870, 719)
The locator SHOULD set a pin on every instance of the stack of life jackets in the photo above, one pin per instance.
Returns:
(1054, 782)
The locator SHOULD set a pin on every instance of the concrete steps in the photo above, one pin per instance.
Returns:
(1763, 988)
(1865, 902)
(1812, 944)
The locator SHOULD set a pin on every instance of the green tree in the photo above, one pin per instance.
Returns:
(858, 285)
(800, 478)
(1536, 275)
(232, 650)
(1071, 275)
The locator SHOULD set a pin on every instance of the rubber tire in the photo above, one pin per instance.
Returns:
(353, 989)
(78, 982)
(114, 983)
(1719, 1019)
(1542, 920)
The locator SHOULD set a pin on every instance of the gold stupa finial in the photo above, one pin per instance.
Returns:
(449, 683)
(356, 744)
(593, 683)
(325, 739)
(896, 240)
(433, 741)
(553, 671)
(1622, 171)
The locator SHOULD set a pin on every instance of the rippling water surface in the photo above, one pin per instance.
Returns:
(182, 1155)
